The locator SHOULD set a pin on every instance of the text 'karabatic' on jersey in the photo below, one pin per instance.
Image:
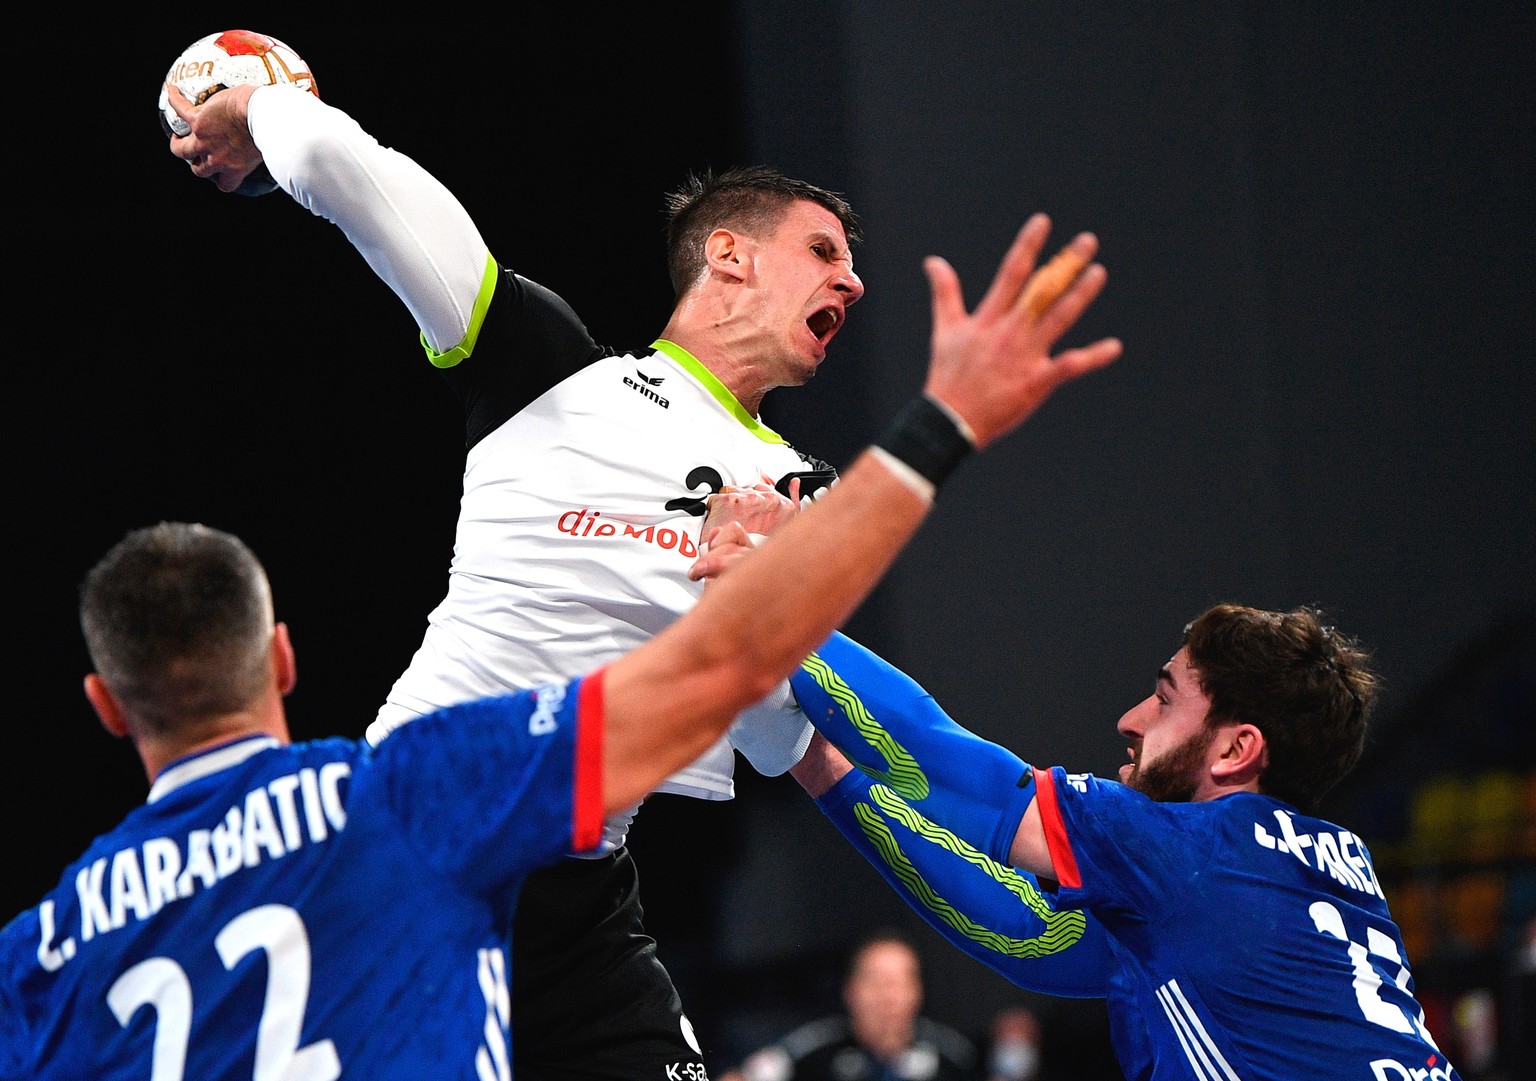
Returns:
(300, 808)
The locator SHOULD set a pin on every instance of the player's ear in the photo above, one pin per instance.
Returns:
(106, 705)
(1243, 754)
(284, 667)
(725, 253)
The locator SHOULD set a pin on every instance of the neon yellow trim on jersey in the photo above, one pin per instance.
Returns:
(718, 389)
(1063, 928)
(902, 774)
(460, 353)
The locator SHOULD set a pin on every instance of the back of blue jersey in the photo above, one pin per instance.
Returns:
(300, 911)
(1253, 941)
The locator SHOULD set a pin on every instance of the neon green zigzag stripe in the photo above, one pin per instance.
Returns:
(903, 774)
(1062, 928)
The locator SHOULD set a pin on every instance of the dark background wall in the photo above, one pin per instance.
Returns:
(1318, 228)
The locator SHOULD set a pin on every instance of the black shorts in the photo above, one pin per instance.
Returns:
(590, 999)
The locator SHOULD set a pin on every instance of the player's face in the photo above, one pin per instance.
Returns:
(1169, 740)
(805, 284)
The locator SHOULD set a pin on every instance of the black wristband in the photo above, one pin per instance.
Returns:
(925, 437)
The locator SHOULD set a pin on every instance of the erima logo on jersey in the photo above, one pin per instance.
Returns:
(550, 698)
(644, 387)
(1341, 854)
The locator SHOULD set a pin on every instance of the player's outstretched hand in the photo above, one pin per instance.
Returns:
(219, 147)
(994, 366)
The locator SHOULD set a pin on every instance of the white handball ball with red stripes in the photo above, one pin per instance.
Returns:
(232, 58)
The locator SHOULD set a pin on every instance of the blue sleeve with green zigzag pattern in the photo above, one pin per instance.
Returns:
(992, 913)
(893, 730)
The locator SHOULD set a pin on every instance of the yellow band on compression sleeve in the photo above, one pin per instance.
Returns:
(461, 352)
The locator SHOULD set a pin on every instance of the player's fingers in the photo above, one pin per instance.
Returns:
(1012, 274)
(1052, 280)
(1060, 316)
(702, 566)
(724, 545)
(1088, 358)
(732, 533)
(178, 101)
(944, 285)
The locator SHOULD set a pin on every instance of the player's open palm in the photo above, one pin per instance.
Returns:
(994, 366)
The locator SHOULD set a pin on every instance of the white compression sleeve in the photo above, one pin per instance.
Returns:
(411, 230)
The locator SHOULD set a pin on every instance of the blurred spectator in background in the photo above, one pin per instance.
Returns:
(881, 1035)
(1013, 1053)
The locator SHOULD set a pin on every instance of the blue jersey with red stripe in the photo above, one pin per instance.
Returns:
(308, 911)
(1234, 940)
(1251, 942)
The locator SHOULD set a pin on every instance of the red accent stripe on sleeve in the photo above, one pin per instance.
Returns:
(587, 786)
(1056, 831)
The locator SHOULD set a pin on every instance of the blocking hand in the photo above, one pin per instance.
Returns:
(994, 366)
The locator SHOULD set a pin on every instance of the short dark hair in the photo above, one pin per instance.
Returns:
(178, 621)
(1308, 687)
(751, 198)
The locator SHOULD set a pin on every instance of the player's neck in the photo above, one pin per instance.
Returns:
(158, 753)
(728, 356)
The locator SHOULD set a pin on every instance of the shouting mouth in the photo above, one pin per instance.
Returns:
(824, 323)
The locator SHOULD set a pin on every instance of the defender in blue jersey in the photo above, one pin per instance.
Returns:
(332, 909)
(1243, 939)
(278, 909)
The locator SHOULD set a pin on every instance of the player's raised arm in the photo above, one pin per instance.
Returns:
(988, 371)
(412, 230)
